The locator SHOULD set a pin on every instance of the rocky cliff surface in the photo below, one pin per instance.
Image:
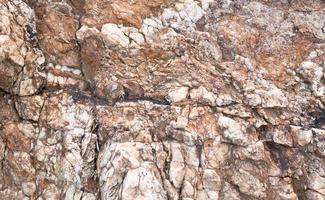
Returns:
(162, 99)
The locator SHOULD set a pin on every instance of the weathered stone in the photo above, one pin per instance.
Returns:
(248, 184)
(269, 97)
(314, 74)
(123, 12)
(29, 188)
(233, 131)
(30, 108)
(203, 96)
(319, 140)
(301, 137)
(115, 34)
(57, 27)
(283, 137)
(186, 99)
(178, 94)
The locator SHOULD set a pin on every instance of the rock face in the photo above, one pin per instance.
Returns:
(186, 99)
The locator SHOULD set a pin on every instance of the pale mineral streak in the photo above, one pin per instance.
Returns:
(162, 99)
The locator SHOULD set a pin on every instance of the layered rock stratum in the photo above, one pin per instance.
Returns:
(162, 99)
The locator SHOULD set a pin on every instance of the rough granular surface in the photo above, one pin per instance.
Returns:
(162, 99)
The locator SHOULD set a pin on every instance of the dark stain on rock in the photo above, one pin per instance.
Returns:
(228, 53)
(320, 120)
(277, 156)
(200, 24)
(133, 90)
(31, 36)
(82, 97)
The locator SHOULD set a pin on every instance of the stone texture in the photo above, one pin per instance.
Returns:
(186, 99)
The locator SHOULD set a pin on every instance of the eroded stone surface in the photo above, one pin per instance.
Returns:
(188, 99)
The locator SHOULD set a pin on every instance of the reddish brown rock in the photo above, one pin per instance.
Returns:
(190, 99)
(129, 13)
(57, 26)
